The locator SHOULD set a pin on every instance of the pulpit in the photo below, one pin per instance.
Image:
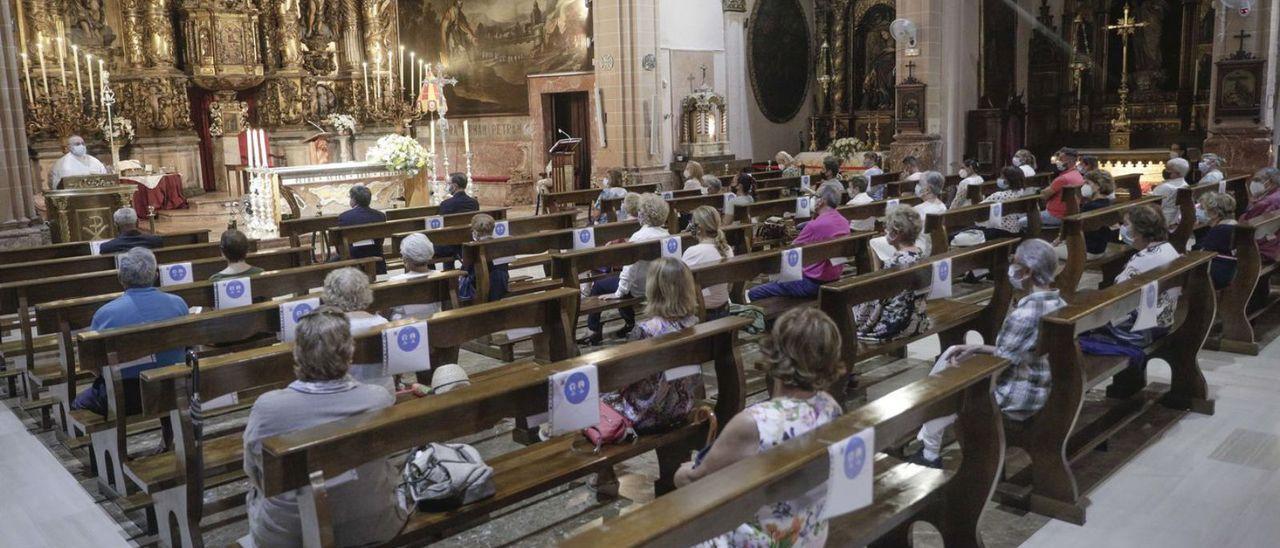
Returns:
(81, 210)
(564, 164)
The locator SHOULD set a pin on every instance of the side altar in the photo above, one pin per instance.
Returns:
(312, 191)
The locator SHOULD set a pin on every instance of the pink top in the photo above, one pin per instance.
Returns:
(827, 226)
(1266, 204)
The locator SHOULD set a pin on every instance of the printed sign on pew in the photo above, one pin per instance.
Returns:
(176, 273)
(405, 349)
(792, 265)
(573, 399)
(852, 466)
(291, 312)
(584, 238)
(232, 293)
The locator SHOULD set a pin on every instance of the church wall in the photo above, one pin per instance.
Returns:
(1248, 146)
(769, 137)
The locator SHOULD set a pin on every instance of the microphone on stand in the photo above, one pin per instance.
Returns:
(566, 135)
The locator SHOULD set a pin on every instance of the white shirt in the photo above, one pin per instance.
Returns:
(862, 225)
(1168, 192)
(631, 281)
(369, 373)
(914, 176)
(416, 311)
(1214, 176)
(70, 165)
(1027, 170)
(962, 190)
(924, 209)
(717, 295)
(872, 172)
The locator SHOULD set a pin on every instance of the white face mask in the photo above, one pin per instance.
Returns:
(1086, 191)
(964, 174)
(687, 175)
(604, 182)
(1256, 188)
(1081, 168)
(1173, 155)
(1204, 167)
(1125, 236)
(920, 190)
(79, 149)
(1014, 279)
(1017, 162)
(1062, 166)
(1002, 184)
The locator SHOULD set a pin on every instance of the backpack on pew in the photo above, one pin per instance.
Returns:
(444, 476)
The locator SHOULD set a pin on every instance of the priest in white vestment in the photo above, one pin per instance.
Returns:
(76, 162)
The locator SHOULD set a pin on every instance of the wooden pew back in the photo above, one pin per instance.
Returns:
(942, 226)
(461, 234)
(95, 263)
(1238, 333)
(295, 228)
(343, 236)
(81, 249)
(1073, 231)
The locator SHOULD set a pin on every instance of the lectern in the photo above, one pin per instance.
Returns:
(81, 209)
(564, 164)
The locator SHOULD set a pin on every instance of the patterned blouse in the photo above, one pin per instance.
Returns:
(793, 523)
(661, 401)
(902, 315)
(1013, 223)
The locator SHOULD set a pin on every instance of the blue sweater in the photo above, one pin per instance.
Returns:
(139, 306)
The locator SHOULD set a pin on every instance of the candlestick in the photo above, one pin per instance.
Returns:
(62, 64)
(391, 74)
(93, 91)
(413, 73)
(466, 136)
(402, 73)
(377, 78)
(44, 75)
(444, 146)
(26, 69)
(75, 57)
(365, 66)
(249, 148)
(102, 81)
(433, 138)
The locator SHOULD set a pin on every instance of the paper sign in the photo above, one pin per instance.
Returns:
(405, 349)
(804, 182)
(573, 399)
(291, 312)
(226, 400)
(890, 204)
(672, 247)
(997, 213)
(232, 293)
(849, 483)
(729, 197)
(435, 222)
(792, 265)
(1149, 308)
(803, 204)
(584, 238)
(176, 273)
(1222, 186)
(501, 229)
(677, 373)
(95, 246)
(667, 195)
(941, 287)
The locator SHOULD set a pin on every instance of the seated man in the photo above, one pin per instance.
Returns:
(75, 163)
(141, 303)
(1023, 388)
(235, 247)
(127, 234)
(457, 202)
(359, 214)
(1069, 176)
(828, 225)
(1176, 169)
(1265, 190)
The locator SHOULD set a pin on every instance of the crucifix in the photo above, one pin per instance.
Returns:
(1125, 27)
(1241, 37)
(911, 70)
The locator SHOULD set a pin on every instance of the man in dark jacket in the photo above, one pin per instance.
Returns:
(359, 214)
(127, 234)
(457, 202)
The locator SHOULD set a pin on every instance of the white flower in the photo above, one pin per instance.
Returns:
(342, 123)
(398, 153)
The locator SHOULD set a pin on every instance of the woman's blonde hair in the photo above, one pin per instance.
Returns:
(803, 350)
(482, 224)
(705, 225)
(904, 221)
(670, 291)
(652, 210)
(695, 170)
(631, 204)
(1028, 159)
(348, 290)
(1222, 206)
(323, 346)
(784, 159)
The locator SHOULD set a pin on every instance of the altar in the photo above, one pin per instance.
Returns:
(1147, 162)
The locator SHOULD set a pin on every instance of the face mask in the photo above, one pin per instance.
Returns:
(79, 150)
(1124, 235)
(1173, 155)
(920, 190)
(1014, 279)
(604, 182)
(1060, 165)
(686, 175)
(964, 174)
(1017, 162)
(1202, 218)
(1204, 167)
(1081, 168)
(1002, 184)
(1086, 191)
(1256, 188)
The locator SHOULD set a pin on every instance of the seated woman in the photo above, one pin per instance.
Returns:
(1010, 185)
(1144, 230)
(902, 315)
(416, 250)
(1097, 192)
(660, 402)
(363, 505)
(693, 176)
(711, 185)
(788, 164)
(858, 191)
(1217, 211)
(499, 277)
(1023, 388)
(235, 247)
(801, 359)
(743, 188)
(612, 190)
(929, 189)
(968, 176)
(347, 289)
(711, 248)
(629, 206)
(652, 213)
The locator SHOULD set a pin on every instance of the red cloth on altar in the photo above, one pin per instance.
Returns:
(166, 195)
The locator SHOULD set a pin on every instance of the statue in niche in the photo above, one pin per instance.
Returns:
(881, 59)
(85, 23)
(1148, 57)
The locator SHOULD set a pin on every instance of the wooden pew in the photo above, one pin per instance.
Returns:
(1112, 261)
(20, 297)
(1237, 187)
(177, 480)
(1054, 437)
(873, 209)
(95, 263)
(609, 208)
(294, 229)
(903, 492)
(555, 201)
(1128, 186)
(461, 234)
(941, 227)
(1251, 284)
(69, 316)
(951, 318)
(81, 249)
(740, 269)
(685, 206)
(343, 236)
(305, 458)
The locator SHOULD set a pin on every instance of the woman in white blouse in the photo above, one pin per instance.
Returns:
(711, 247)
(348, 290)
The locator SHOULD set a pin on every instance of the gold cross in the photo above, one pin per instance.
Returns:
(1127, 25)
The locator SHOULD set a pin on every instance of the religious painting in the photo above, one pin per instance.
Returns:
(779, 52)
(1240, 89)
(873, 56)
(490, 46)
(910, 112)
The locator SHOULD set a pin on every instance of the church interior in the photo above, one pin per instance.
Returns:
(639, 273)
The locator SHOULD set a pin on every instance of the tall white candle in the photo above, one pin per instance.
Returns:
(251, 148)
(444, 145)
(62, 63)
(44, 75)
(102, 82)
(413, 73)
(433, 139)
(88, 68)
(365, 65)
(402, 73)
(377, 77)
(266, 154)
(26, 69)
(466, 135)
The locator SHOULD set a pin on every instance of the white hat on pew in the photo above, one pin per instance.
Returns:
(449, 376)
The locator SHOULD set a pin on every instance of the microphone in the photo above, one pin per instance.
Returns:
(566, 135)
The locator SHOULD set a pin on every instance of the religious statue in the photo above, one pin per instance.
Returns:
(1149, 54)
(315, 16)
(85, 24)
(877, 85)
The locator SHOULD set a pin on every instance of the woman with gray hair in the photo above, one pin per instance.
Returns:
(1211, 168)
(362, 501)
(1216, 212)
(652, 213)
(347, 289)
(1023, 388)
(711, 184)
(416, 250)
(141, 303)
(929, 190)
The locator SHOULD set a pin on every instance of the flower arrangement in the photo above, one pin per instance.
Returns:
(120, 129)
(398, 153)
(846, 148)
(342, 123)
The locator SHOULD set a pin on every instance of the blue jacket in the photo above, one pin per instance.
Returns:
(130, 239)
(364, 215)
(138, 306)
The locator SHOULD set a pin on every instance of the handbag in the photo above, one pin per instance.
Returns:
(613, 428)
(445, 476)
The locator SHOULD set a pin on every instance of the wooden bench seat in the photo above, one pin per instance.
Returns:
(1074, 228)
(342, 237)
(1249, 295)
(458, 235)
(81, 249)
(35, 270)
(295, 228)
(944, 315)
(941, 227)
(555, 201)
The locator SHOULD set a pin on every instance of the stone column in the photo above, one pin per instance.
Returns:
(1245, 144)
(626, 31)
(18, 222)
(736, 85)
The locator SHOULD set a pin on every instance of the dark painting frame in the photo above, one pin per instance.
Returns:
(1244, 97)
(779, 58)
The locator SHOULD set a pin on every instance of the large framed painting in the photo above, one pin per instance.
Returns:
(778, 56)
(1240, 89)
(490, 46)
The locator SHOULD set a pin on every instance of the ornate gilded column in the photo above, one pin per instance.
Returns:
(284, 99)
(351, 53)
(17, 182)
(131, 14)
(839, 52)
(160, 49)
